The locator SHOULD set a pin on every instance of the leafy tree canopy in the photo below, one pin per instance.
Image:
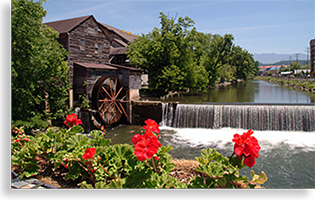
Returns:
(178, 58)
(167, 55)
(39, 69)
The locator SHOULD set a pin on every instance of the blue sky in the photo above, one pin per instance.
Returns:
(283, 27)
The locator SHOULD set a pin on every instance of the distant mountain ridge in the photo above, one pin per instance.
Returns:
(285, 62)
(271, 58)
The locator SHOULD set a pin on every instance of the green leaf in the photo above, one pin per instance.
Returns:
(103, 142)
(165, 149)
(235, 162)
(30, 168)
(85, 185)
(117, 183)
(50, 132)
(76, 129)
(78, 141)
(197, 182)
(14, 158)
(252, 174)
(101, 185)
(163, 181)
(221, 170)
(262, 178)
(74, 171)
(222, 182)
(122, 151)
(28, 174)
(97, 134)
(202, 160)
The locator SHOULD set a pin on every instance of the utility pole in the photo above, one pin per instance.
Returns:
(307, 54)
(297, 57)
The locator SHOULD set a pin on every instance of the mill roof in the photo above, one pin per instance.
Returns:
(65, 26)
(107, 66)
(126, 36)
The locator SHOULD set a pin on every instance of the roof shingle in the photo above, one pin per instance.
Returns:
(126, 36)
(96, 66)
(65, 26)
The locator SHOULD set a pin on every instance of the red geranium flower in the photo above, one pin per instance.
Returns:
(72, 120)
(151, 125)
(247, 146)
(136, 138)
(89, 153)
(146, 146)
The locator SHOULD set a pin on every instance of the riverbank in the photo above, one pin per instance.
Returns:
(228, 83)
(181, 94)
(303, 85)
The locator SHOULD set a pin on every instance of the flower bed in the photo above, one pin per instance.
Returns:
(75, 160)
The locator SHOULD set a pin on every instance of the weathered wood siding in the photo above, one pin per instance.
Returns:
(85, 79)
(90, 53)
(93, 76)
(123, 76)
(135, 81)
(79, 79)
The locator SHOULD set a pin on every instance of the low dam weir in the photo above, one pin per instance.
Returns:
(286, 117)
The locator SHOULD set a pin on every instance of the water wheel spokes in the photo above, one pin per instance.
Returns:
(109, 96)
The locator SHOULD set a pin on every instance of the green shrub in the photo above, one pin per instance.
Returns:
(33, 123)
(310, 85)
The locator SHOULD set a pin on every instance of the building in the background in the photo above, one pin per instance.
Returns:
(270, 70)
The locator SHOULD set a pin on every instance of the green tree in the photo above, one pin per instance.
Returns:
(246, 67)
(217, 51)
(167, 55)
(221, 49)
(294, 66)
(39, 69)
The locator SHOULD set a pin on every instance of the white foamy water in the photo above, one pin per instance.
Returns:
(222, 137)
(287, 157)
(258, 117)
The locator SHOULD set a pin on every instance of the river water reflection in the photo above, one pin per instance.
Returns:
(252, 91)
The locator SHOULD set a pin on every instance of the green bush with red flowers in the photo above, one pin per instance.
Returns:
(92, 162)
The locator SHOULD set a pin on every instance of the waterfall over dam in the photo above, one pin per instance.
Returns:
(244, 116)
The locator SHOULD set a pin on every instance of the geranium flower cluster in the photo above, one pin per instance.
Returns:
(246, 146)
(72, 120)
(20, 135)
(89, 154)
(19, 131)
(147, 145)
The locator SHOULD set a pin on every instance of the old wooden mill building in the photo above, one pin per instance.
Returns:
(98, 67)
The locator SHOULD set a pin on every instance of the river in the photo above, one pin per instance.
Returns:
(252, 91)
(287, 157)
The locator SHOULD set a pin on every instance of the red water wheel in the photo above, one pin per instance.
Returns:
(108, 98)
